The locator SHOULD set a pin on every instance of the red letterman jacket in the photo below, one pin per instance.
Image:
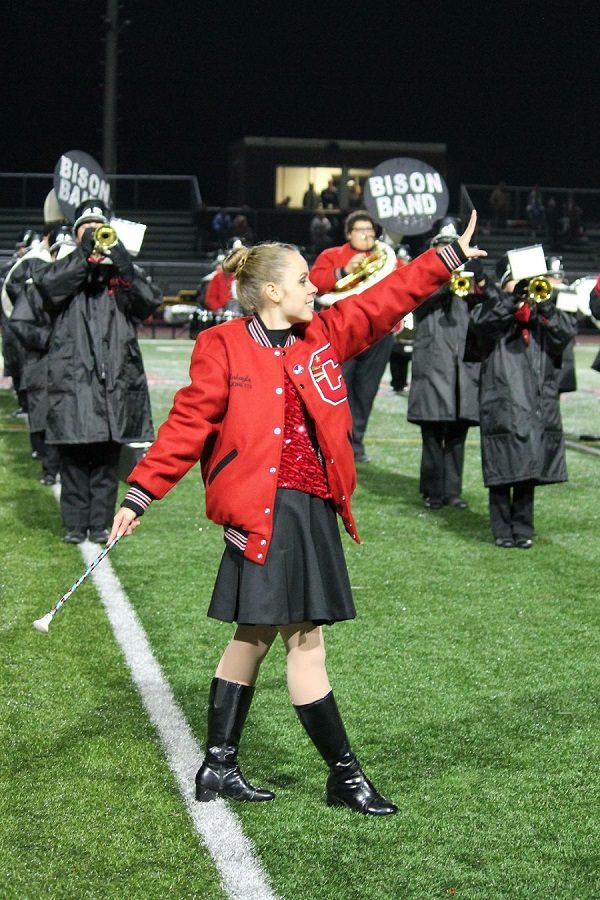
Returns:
(231, 415)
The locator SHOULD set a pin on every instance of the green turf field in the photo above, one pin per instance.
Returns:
(469, 686)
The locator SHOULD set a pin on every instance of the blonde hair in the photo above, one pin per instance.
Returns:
(253, 267)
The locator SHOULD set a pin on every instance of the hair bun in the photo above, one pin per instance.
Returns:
(236, 261)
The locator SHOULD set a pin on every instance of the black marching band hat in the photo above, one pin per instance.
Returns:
(503, 270)
(91, 210)
(447, 231)
(59, 235)
(26, 238)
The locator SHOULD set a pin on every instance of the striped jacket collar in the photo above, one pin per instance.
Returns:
(257, 332)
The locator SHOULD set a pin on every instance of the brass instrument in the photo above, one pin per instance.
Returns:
(538, 290)
(380, 262)
(105, 237)
(462, 284)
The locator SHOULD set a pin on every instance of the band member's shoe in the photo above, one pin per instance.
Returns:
(219, 775)
(433, 502)
(504, 542)
(347, 785)
(361, 457)
(99, 536)
(524, 543)
(456, 502)
(74, 537)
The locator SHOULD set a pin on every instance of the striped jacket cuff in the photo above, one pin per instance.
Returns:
(452, 256)
(137, 499)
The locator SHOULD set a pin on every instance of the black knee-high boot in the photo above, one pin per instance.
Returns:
(219, 775)
(347, 784)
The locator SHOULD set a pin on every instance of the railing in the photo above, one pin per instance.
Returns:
(478, 196)
(28, 190)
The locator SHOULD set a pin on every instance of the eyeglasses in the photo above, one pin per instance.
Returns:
(364, 230)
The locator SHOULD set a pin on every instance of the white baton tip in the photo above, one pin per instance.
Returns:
(43, 623)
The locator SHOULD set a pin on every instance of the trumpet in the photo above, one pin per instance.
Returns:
(105, 237)
(462, 284)
(538, 290)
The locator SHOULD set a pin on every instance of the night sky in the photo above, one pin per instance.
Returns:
(511, 88)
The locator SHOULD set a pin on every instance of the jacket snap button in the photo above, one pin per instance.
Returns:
(277, 431)
(263, 542)
(259, 556)
(272, 470)
(279, 390)
(267, 511)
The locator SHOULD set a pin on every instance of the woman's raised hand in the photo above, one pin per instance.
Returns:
(465, 239)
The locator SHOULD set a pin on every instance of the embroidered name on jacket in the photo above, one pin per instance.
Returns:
(326, 373)
(240, 381)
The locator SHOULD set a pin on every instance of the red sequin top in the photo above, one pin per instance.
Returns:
(301, 467)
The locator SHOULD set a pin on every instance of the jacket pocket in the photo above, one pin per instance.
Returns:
(221, 465)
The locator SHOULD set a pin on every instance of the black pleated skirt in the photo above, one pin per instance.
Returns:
(304, 579)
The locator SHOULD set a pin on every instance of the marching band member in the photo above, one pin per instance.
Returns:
(97, 391)
(32, 325)
(363, 373)
(13, 352)
(402, 348)
(266, 414)
(443, 390)
(522, 442)
(567, 375)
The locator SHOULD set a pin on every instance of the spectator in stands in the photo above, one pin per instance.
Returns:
(552, 219)
(572, 222)
(534, 210)
(97, 391)
(241, 230)
(222, 226)
(310, 200)
(330, 198)
(320, 231)
(500, 205)
(284, 204)
(355, 195)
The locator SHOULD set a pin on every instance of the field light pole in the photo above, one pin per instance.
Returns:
(109, 129)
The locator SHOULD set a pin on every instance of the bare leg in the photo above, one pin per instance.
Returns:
(306, 673)
(245, 652)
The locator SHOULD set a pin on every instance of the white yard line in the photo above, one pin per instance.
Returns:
(242, 875)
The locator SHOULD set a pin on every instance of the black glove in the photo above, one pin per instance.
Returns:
(87, 241)
(545, 308)
(476, 267)
(122, 261)
(520, 289)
